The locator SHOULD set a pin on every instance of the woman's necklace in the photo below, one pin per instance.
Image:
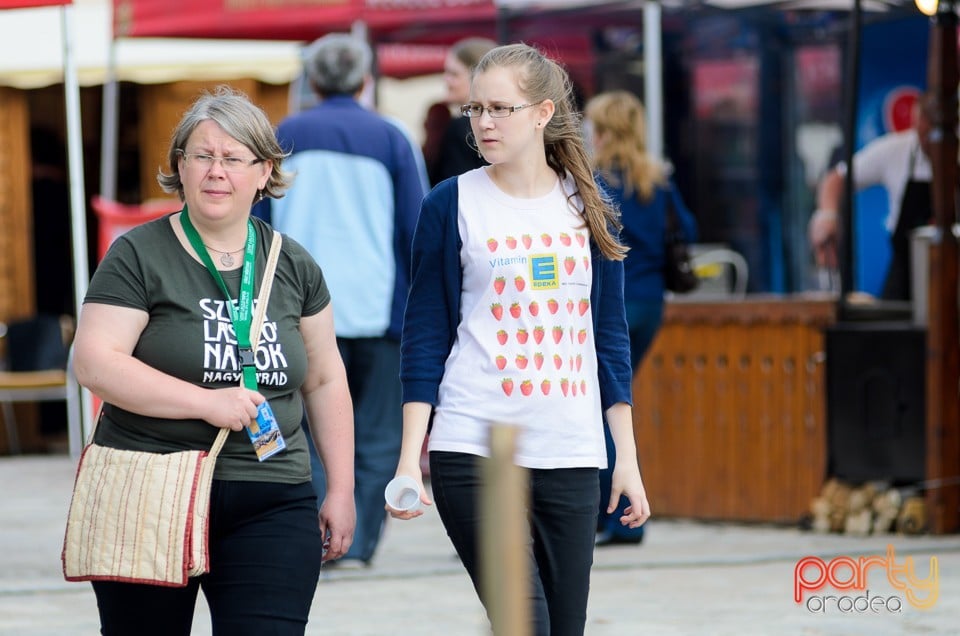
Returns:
(226, 258)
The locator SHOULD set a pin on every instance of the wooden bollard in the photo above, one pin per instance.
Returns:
(504, 566)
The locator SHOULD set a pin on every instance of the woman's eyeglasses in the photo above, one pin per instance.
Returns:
(205, 161)
(497, 112)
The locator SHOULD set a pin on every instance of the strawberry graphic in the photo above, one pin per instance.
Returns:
(570, 331)
(573, 388)
(565, 238)
(564, 385)
(570, 305)
(498, 284)
(526, 240)
(557, 361)
(583, 387)
(511, 242)
(583, 306)
(515, 310)
(492, 244)
(521, 361)
(522, 336)
(538, 360)
(501, 362)
(526, 387)
(534, 308)
(538, 334)
(519, 283)
(586, 262)
(502, 337)
(546, 240)
(553, 306)
(571, 363)
(579, 361)
(582, 336)
(581, 239)
(569, 263)
(507, 385)
(557, 334)
(545, 387)
(497, 310)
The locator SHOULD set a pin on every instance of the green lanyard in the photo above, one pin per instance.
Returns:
(242, 316)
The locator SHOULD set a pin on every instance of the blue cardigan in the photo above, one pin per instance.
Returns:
(433, 307)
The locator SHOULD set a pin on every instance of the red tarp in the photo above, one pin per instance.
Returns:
(290, 19)
(411, 35)
(24, 4)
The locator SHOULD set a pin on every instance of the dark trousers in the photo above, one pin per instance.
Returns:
(562, 515)
(373, 373)
(265, 553)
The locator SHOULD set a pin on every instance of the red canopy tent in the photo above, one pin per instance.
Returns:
(411, 35)
(294, 19)
(27, 4)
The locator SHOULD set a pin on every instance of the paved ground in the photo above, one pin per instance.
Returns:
(687, 578)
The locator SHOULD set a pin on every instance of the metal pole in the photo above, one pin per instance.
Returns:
(845, 245)
(653, 77)
(109, 124)
(78, 209)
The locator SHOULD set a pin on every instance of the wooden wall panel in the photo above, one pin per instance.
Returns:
(729, 410)
(17, 296)
(161, 107)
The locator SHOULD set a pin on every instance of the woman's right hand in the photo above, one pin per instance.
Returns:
(232, 408)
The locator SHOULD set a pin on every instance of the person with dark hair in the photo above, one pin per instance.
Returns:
(354, 207)
(161, 340)
(516, 315)
(458, 151)
(435, 124)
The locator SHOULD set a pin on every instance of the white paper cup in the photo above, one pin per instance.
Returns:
(403, 494)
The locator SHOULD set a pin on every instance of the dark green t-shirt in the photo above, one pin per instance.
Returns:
(190, 336)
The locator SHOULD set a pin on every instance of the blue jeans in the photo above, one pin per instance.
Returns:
(265, 553)
(643, 320)
(373, 373)
(562, 514)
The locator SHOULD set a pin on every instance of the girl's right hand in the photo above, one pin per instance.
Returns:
(424, 499)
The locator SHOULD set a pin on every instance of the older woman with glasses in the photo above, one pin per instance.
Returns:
(160, 340)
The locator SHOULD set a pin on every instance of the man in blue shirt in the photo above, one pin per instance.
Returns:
(354, 206)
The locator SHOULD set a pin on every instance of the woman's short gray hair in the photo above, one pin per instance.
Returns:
(337, 63)
(240, 118)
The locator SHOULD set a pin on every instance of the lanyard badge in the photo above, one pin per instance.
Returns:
(264, 432)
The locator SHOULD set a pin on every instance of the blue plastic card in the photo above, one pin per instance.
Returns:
(265, 433)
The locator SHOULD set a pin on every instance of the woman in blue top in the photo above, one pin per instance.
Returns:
(515, 315)
(638, 184)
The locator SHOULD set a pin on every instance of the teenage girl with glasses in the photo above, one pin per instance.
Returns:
(516, 315)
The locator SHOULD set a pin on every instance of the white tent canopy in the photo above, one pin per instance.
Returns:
(31, 54)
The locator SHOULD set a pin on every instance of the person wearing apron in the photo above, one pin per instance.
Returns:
(916, 209)
(899, 161)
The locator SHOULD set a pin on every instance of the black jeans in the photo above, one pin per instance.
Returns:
(265, 553)
(562, 514)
